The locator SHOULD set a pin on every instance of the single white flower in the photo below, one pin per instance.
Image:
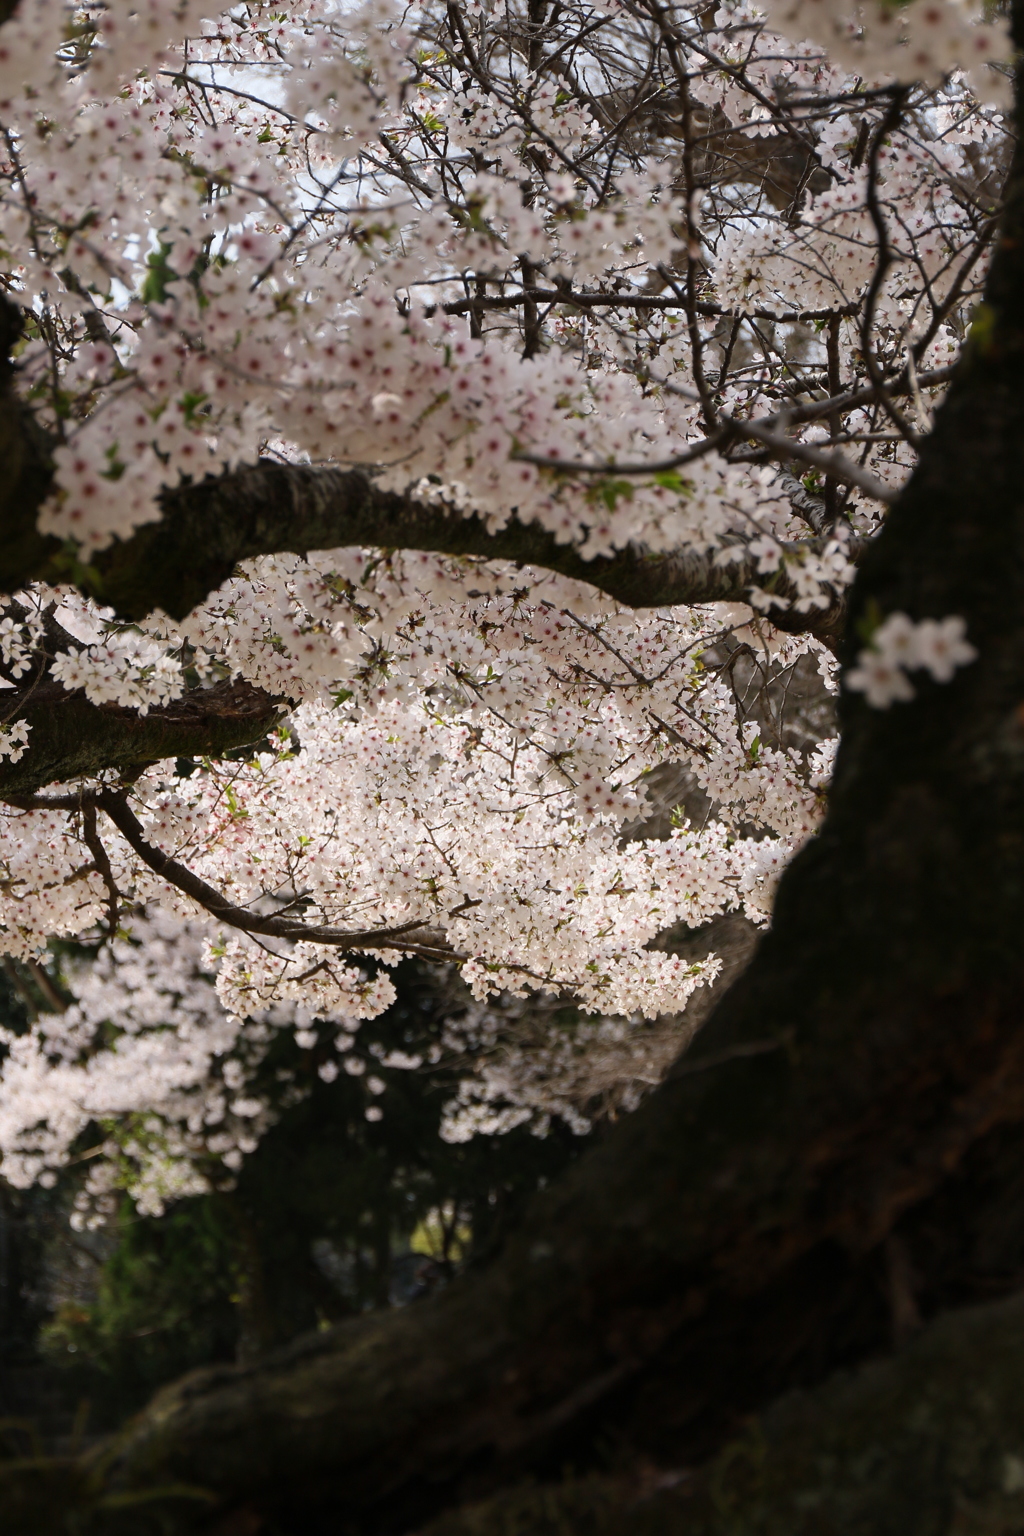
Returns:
(880, 680)
(896, 641)
(942, 647)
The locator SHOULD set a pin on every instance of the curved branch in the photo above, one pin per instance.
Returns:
(428, 945)
(270, 508)
(273, 508)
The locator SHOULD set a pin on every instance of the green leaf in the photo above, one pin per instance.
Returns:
(983, 327)
(869, 620)
(158, 275)
(609, 491)
(672, 480)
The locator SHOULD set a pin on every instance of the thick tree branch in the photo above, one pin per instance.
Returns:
(890, 1449)
(71, 737)
(273, 508)
(270, 508)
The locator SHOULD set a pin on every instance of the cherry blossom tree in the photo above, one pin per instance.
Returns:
(429, 433)
(601, 339)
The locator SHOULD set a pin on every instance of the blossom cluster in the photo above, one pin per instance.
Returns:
(899, 646)
(20, 633)
(460, 786)
(129, 670)
(225, 276)
(920, 41)
(14, 740)
(147, 1057)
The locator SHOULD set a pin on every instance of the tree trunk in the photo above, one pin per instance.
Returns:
(839, 1156)
(924, 1444)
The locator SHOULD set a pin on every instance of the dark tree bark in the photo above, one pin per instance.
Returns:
(929, 1441)
(837, 1157)
(71, 737)
(270, 508)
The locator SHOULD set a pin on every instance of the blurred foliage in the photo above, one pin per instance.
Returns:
(161, 1305)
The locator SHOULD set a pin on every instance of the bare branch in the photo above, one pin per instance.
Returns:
(733, 429)
(830, 460)
(94, 843)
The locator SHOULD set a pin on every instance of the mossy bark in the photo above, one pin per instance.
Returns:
(928, 1443)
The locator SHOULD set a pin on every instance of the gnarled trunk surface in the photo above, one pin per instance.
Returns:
(924, 1444)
